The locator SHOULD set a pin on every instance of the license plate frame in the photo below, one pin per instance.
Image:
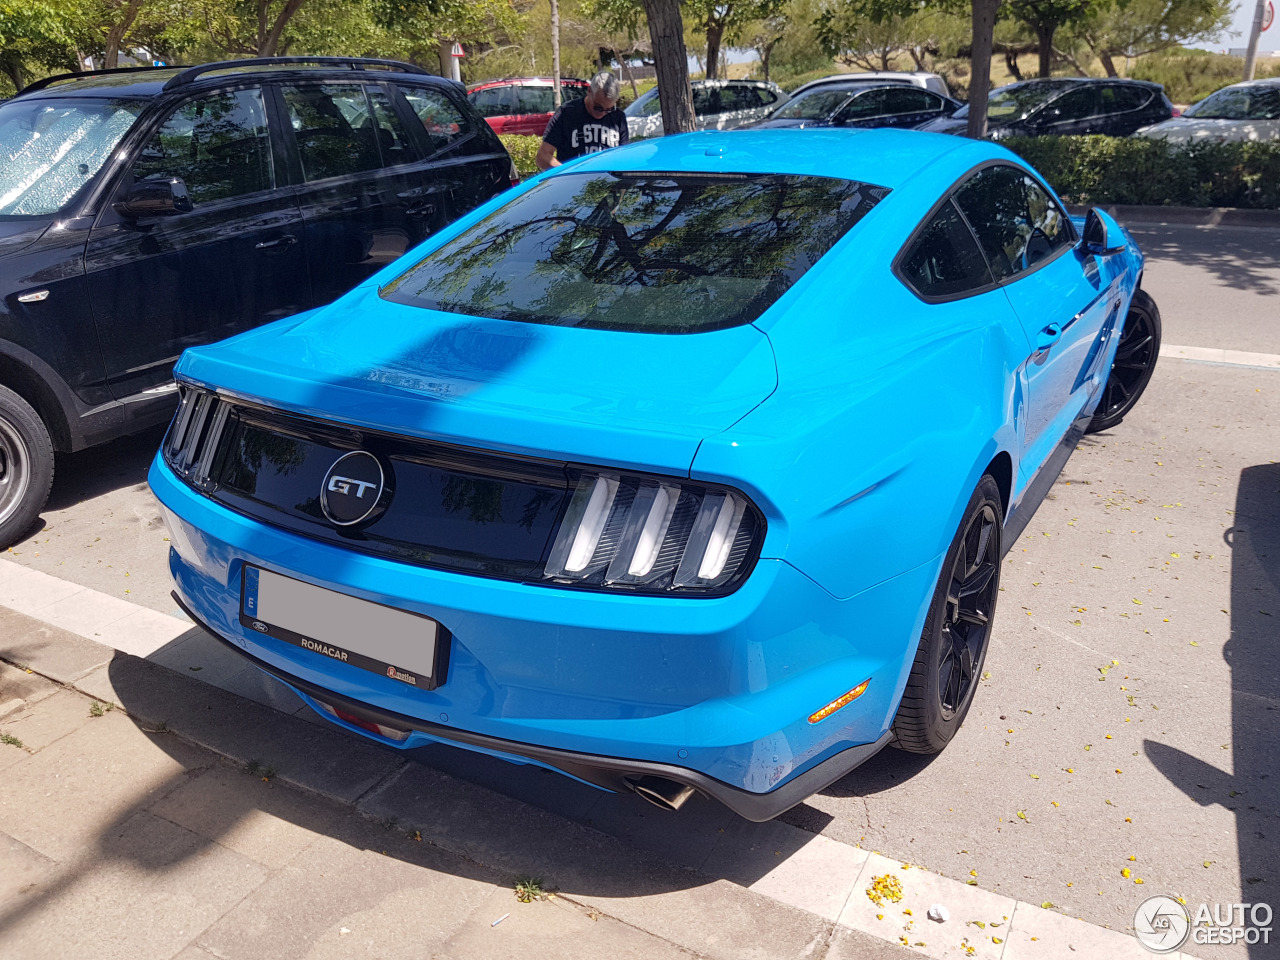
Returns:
(267, 597)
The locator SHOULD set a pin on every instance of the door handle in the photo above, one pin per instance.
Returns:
(288, 240)
(1048, 337)
(420, 210)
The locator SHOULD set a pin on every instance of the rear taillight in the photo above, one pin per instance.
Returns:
(654, 535)
(514, 175)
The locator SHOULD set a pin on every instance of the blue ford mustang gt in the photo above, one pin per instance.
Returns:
(685, 467)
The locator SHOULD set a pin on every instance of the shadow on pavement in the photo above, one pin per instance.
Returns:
(1251, 789)
(91, 473)
(1248, 260)
(492, 812)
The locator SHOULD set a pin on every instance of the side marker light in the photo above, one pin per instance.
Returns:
(844, 701)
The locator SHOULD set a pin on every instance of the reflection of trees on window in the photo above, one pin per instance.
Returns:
(332, 127)
(440, 117)
(252, 448)
(655, 252)
(482, 499)
(217, 145)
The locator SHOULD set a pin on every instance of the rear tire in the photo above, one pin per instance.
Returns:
(26, 466)
(1135, 361)
(953, 647)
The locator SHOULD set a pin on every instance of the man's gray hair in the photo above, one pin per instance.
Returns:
(606, 84)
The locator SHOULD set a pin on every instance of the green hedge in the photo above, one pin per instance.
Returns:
(523, 151)
(1105, 170)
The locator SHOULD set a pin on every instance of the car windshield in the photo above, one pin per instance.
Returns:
(49, 149)
(1238, 103)
(814, 106)
(646, 105)
(650, 252)
(1016, 101)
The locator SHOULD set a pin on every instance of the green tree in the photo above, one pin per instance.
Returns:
(870, 33)
(33, 32)
(724, 21)
(1045, 17)
(1135, 28)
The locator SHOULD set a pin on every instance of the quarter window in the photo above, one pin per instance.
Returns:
(909, 100)
(218, 146)
(333, 129)
(440, 116)
(1121, 98)
(945, 260)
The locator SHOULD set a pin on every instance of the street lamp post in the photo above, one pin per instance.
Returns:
(1251, 55)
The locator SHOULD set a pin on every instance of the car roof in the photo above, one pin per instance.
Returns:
(534, 81)
(1064, 82)
(150, 82)
(884, 157)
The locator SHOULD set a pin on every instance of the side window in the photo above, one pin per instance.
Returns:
(766, 97)
(994, 201)
(652, 106)
(909, 100)
(1120, 98)
(440, 116)
(1076, 105)
(218, 145)
(738, 98)
(1264, 103)
(1050, 228)
(492, 102)
(944, 260)
(706, 101)
(865, 105)
(393, 141)
(333, 129)
(536, 99)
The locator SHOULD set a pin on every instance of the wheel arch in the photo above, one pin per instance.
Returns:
(1001, 470)
(27, 383)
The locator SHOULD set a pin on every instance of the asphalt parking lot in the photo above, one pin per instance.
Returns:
(1124, 739)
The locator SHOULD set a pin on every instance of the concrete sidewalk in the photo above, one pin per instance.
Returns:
(122, 836)
(145, 813)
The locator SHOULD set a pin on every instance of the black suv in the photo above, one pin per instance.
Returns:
(1066, 105)
(146, 210)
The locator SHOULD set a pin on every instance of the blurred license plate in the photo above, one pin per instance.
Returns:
(383, 640)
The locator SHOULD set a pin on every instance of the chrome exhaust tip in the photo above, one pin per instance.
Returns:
(663, 793)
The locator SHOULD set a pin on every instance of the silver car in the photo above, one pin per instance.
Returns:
(1242, 111)
(717, 105)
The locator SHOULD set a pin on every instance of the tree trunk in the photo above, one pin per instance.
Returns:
(116, 34)
(11, 64)
(1044, 38)
(269, 44)
(627, 75)
(984, 25)
(1104, 57)
(444, 49)
(1011, 62)
(715, 33)
(671, 64)
(555, 53)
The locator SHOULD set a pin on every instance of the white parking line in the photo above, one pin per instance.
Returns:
(1235, 358)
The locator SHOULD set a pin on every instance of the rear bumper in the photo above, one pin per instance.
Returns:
(608, 773)
(713, 693)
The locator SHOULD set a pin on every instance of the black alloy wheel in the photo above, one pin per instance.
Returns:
(948, 663)
(26, 466)
(1135, 361)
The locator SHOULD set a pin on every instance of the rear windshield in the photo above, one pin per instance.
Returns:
(49, 149)
(649, 252)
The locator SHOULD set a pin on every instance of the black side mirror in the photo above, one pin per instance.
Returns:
(1102, 235)
(154, 198)
(949, 107)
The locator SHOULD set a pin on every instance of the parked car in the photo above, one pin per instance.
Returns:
(143, 211)
(717, 105)
(861, 105)
(919, 78)
(1242, 111)
(686, 467)
(524, 105)
(1066, 105)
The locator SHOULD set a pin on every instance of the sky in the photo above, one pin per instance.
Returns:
(1242, 24)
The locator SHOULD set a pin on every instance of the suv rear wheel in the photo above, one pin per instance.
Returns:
(26, 466)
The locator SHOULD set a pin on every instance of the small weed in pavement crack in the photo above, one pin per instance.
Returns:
(529, 889)
(97, 709)
(11, 740)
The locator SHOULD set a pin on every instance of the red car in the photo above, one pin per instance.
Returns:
(522, 105)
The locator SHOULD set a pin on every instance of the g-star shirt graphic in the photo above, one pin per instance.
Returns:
(573, 131)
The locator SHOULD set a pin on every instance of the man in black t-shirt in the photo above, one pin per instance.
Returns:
(588, 125)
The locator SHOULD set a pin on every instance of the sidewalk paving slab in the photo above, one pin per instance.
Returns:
(20, 687)
(48, 650)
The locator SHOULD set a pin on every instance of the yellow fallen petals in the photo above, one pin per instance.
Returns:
(1126, 873)
(883, 888)
(1118, 770)
(996, 940)
(1128, 819)
(1034, 776)
(1108, 736)
(1132, 859)
(1137, 879)
(907, 911)
(1054, 802)
(973, 873)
